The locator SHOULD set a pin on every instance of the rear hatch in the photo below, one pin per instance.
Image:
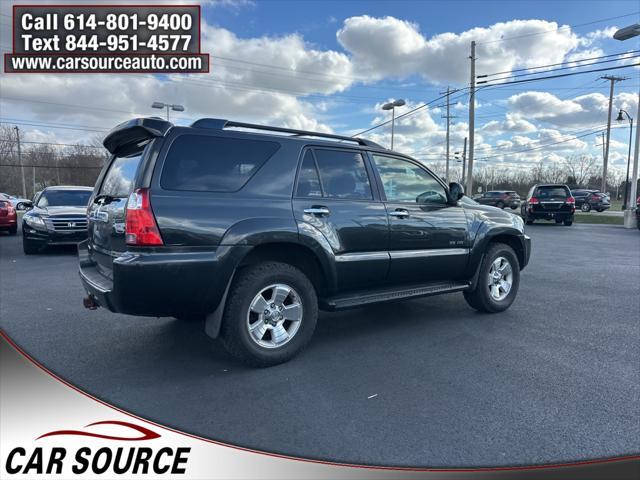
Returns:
(552, 198)
(129, 143)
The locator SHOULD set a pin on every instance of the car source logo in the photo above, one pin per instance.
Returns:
(71, 224)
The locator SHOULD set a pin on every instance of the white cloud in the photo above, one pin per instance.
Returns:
(389, 46)
(588, 110)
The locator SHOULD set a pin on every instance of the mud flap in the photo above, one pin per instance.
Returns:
(213, 321)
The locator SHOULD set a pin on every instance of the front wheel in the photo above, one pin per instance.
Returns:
(29, 248)
(498, 280)
(568, 223)
(270, 315)
(585, 207)
(500, 205)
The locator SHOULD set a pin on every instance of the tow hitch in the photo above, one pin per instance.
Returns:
(90, 302)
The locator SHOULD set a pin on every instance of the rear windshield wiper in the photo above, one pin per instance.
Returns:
(103, 199)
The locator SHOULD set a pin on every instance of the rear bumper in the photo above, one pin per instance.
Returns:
(160, 283)
(8, 222)
(550, 215)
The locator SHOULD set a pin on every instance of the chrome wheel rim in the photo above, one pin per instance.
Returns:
(274, 316)
(585, 207)
(500, 279)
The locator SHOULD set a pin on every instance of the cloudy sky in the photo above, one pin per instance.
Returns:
(329, 65)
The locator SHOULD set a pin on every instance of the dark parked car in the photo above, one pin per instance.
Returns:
(254, 232)
(500, 199)
(638, 211)
(58, 217)
(8, 217)
(587, 200)
(549, 202)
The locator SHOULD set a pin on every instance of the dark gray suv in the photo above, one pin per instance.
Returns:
(252, 229)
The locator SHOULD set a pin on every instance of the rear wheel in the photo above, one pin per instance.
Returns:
(270, 315)
(568, 223)
(500, 204)
(585, 207)
(558, 221)
(498, 280)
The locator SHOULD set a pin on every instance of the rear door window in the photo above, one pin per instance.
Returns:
(343, 174)
(308, 178)
(213, 164)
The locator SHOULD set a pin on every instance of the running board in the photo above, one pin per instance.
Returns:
(368, 297)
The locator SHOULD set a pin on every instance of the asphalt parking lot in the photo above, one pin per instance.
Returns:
(427, 382)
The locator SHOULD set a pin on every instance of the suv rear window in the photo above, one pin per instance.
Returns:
(547, 192)
(118, 181)
(213, 164)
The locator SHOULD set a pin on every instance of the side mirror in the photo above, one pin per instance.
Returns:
(456, 192)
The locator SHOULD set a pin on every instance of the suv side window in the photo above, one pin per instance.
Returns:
(308, 178)
(343, 174)
(205, 163)
(404, 181)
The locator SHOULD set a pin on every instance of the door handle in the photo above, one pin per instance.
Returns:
(400, 213)
(317, 211)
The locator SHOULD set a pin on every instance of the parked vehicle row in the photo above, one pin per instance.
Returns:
(500, 199)
(587, 200)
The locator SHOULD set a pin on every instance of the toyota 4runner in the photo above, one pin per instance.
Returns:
(253, 229)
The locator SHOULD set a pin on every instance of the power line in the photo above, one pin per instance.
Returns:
(11, 121)
(555, 69)
(56, 144)
(51, 166)
(561, 75)
(561, 63)
(564, 27)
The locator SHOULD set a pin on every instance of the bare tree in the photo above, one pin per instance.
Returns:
(580, 168)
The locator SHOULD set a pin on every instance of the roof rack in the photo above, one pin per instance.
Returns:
(220, 124)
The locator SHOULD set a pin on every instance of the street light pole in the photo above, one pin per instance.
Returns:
(626, 182)
(174, 107)
(629, 220)
(392, 106)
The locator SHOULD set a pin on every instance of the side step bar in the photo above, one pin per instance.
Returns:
(360, 298)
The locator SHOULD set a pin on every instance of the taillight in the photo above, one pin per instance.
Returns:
(571, 200)
(533, 201)
(10, 210)
(140, 226)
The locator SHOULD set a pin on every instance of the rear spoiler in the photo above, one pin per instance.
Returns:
(135, 131)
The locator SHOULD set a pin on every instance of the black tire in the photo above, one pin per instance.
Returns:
(480, 298)
(586, 207)
(29, 248)
(568, 223)
(13, 230)
(558, 221)
(247, 284)
(528, 221)
(514, 207)
(20, 206)
(500, 204)
(599, 210)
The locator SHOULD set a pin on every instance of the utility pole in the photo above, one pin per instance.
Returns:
(472, 111)
(464, 160)
(448, 116)
(24, 184)
(613, 79)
